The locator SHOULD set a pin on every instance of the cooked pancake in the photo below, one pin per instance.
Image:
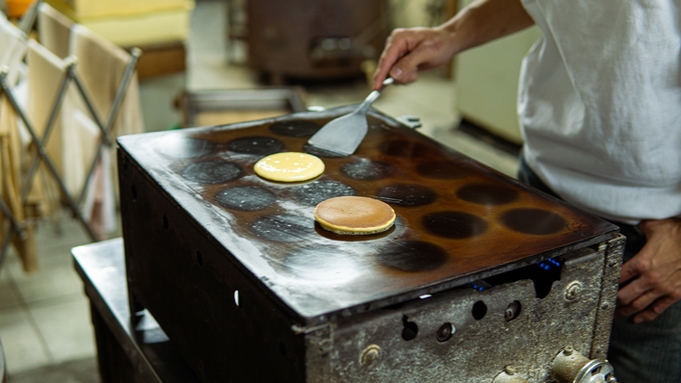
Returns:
(289, 167)
(350, 215)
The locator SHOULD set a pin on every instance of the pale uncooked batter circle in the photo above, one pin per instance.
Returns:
(289, 167)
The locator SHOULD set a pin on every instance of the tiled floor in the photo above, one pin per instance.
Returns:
(44, 317)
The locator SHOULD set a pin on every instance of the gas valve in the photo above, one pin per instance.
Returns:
(569, 366)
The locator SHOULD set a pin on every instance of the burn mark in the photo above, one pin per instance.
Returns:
(412, 256)
(403, 148)
(212, 172)
(487, 194)
(283, 228)
(246, 198)
(533, 221)
(294, 128)
(443, 170)
(408, 195)
(256, 145)
(454, 224)
(315, 192)
(366, 170)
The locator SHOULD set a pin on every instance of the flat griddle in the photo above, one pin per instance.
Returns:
(457, 220)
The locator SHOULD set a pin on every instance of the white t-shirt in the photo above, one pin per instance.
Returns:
(600, 105)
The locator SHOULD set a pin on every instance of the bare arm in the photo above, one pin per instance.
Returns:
(409, 51)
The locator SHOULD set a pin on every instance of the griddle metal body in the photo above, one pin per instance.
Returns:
(479, 272)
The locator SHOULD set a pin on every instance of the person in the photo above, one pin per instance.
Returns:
(599, 105)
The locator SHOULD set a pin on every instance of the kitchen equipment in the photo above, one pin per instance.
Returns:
(480, 277)
(225, 106)
(322, 39)
(344, 134)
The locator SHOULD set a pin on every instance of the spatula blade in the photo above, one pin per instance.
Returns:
(341, 135)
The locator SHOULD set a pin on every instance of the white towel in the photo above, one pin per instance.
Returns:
(10, 184)
(101, 66)
(45, 74)
(54, 30)
(13, 44)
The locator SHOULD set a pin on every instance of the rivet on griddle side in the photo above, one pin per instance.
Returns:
(370, 355)
(572, 290)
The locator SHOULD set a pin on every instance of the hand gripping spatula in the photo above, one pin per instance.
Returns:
(343, 134)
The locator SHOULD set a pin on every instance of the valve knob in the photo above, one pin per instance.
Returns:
(569, 366)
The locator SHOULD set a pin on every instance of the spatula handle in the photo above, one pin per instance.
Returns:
(366, 104)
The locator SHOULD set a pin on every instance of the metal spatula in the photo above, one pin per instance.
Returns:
(343, 134)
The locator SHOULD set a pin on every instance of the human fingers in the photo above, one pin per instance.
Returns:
(422, 57)
(638, 304)
(656, 285)
(653, 311)
(636, 273)
(427, 49)
(396, 46)
(629, 270)
(409, 51)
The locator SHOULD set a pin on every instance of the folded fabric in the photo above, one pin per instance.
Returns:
(101, 65)
(10, 185)
(54, 30)
(101, 68)
(45, 74)
(13, 45)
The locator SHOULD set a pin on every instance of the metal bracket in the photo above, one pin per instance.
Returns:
(413, 122)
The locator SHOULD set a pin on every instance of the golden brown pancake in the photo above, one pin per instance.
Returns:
(350, 215)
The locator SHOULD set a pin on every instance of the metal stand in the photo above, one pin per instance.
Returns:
(39, 154)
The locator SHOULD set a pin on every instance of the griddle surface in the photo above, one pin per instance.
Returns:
(455, 218)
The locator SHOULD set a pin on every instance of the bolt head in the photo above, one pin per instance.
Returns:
(370, 355)
(444, 332)
(572, 290)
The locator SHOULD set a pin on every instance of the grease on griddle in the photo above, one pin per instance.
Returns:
(181, 147)
(324, 265)
(256, 145)
(212, 172)
(315, 192)
(442, 170)
(454, 224)
(533, 221)
(412, 256)
(294, 128)
(488, 194)
(283, 228)
(408, 195)
(366, 170)
(245, 198)
(403, 148)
